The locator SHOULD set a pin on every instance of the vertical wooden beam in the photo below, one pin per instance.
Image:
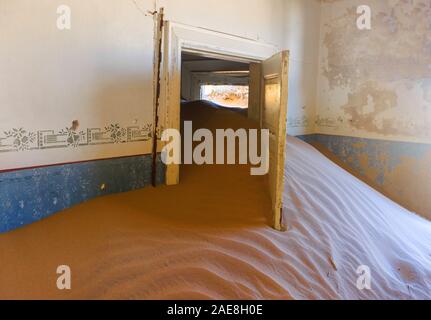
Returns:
(157, 73)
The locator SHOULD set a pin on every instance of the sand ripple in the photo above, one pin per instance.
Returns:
(212, 241)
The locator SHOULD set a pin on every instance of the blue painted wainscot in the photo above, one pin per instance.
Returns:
(348, 149)
(30, 195)
(400, 169)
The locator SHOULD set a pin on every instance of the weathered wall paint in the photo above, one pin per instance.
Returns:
(374, 94)
(376, 83)
(400, 169)
(30, 195)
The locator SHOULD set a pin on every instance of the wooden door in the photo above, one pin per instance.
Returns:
(274, 118)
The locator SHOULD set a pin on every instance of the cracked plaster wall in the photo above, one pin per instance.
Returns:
(374, 90)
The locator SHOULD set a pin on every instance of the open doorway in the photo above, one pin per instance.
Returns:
(214, 98)
(214, 94)
(268, 91)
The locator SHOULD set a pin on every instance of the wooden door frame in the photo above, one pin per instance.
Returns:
(180, 38)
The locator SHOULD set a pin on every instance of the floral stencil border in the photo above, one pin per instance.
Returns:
(21, 139)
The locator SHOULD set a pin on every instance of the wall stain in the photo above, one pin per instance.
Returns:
(366, 105)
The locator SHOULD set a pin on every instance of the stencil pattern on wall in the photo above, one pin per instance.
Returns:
(20, 139)
(298, 122)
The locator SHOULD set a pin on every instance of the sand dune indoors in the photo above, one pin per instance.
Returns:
(209, 238)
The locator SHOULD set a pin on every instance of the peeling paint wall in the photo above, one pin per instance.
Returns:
(374, 94)
(376, 83)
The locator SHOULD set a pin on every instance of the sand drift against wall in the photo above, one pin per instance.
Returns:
(209, 238)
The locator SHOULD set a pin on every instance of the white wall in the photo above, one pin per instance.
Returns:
(301, 37)
(260, 20)
(99, 73)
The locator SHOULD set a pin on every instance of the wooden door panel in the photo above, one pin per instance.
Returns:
(274, 118)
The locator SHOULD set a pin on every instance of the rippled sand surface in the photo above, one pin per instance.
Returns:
(208, 238)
